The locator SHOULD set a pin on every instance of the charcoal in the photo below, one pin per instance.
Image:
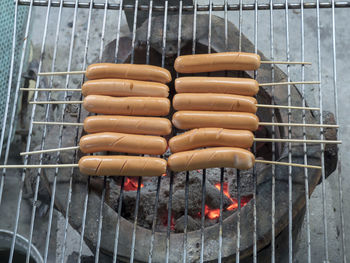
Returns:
(191, 224)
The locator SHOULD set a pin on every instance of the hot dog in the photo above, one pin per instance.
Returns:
(214, 102)
(114, 165)
(122, 142)
(124, 88)
(210, 119)
(238, 86)
(211, 137)
(133, 106)
(128, 71)
(211, 158)
(127, 124)
(217, 62)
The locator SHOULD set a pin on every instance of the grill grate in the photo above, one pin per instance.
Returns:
(110, 10)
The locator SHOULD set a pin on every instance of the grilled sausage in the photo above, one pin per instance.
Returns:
(128, 71)
(217, 62)
(185, 120)
(133, 106)
(211, 137)
(121, 142)
(117, 165)
(211, 158)
(124, 88)
(127, 124)
(214, 102)
(238, 86)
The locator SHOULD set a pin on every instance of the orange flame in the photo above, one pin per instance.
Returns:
(131, 184)
(215, 213)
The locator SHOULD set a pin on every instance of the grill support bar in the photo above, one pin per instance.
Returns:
(230, 7)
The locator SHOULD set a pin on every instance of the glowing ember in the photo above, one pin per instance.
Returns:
(131, 184)
(172, 221)
(215, 213)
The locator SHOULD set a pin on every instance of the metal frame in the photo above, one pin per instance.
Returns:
(180, 9)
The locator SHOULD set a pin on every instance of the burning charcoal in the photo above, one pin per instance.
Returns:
(213, 196)
(146, 206)
(113, 192)
(194, 202)
(191, 224)
(212, 199)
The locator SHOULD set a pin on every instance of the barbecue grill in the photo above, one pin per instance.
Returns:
(68, 217)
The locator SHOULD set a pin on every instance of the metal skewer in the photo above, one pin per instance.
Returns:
(77, 165)
(255, 139)
(260, 84)
(313, 125)
(258, 105)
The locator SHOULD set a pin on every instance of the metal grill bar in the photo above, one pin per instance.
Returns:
(155, 213)
(273, 146)
(132, 252)
(230, 7)
(306, 171)
(340, 183)
(154, 220)
(290, 180)
(321, 134)
(238, 226)
(120, 201)
(255, 230)
(186, 218)
(184, 257)
(135, 219)
(86, 200)
(167, 252)
(222, 171)
(149, 31)
(100, 221)
(203, 215)
(238, 215)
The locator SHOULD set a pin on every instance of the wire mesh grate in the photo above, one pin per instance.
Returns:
(75, 34)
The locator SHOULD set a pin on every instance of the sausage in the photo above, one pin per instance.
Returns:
(139, 106)
(128, 71)
(124, 88)
(238, 86)
(211, 137)
(121, 142)
(127, 124)
(217, 62)
(114, 165)
(211, 158)
(214, 102)
(211, 119)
